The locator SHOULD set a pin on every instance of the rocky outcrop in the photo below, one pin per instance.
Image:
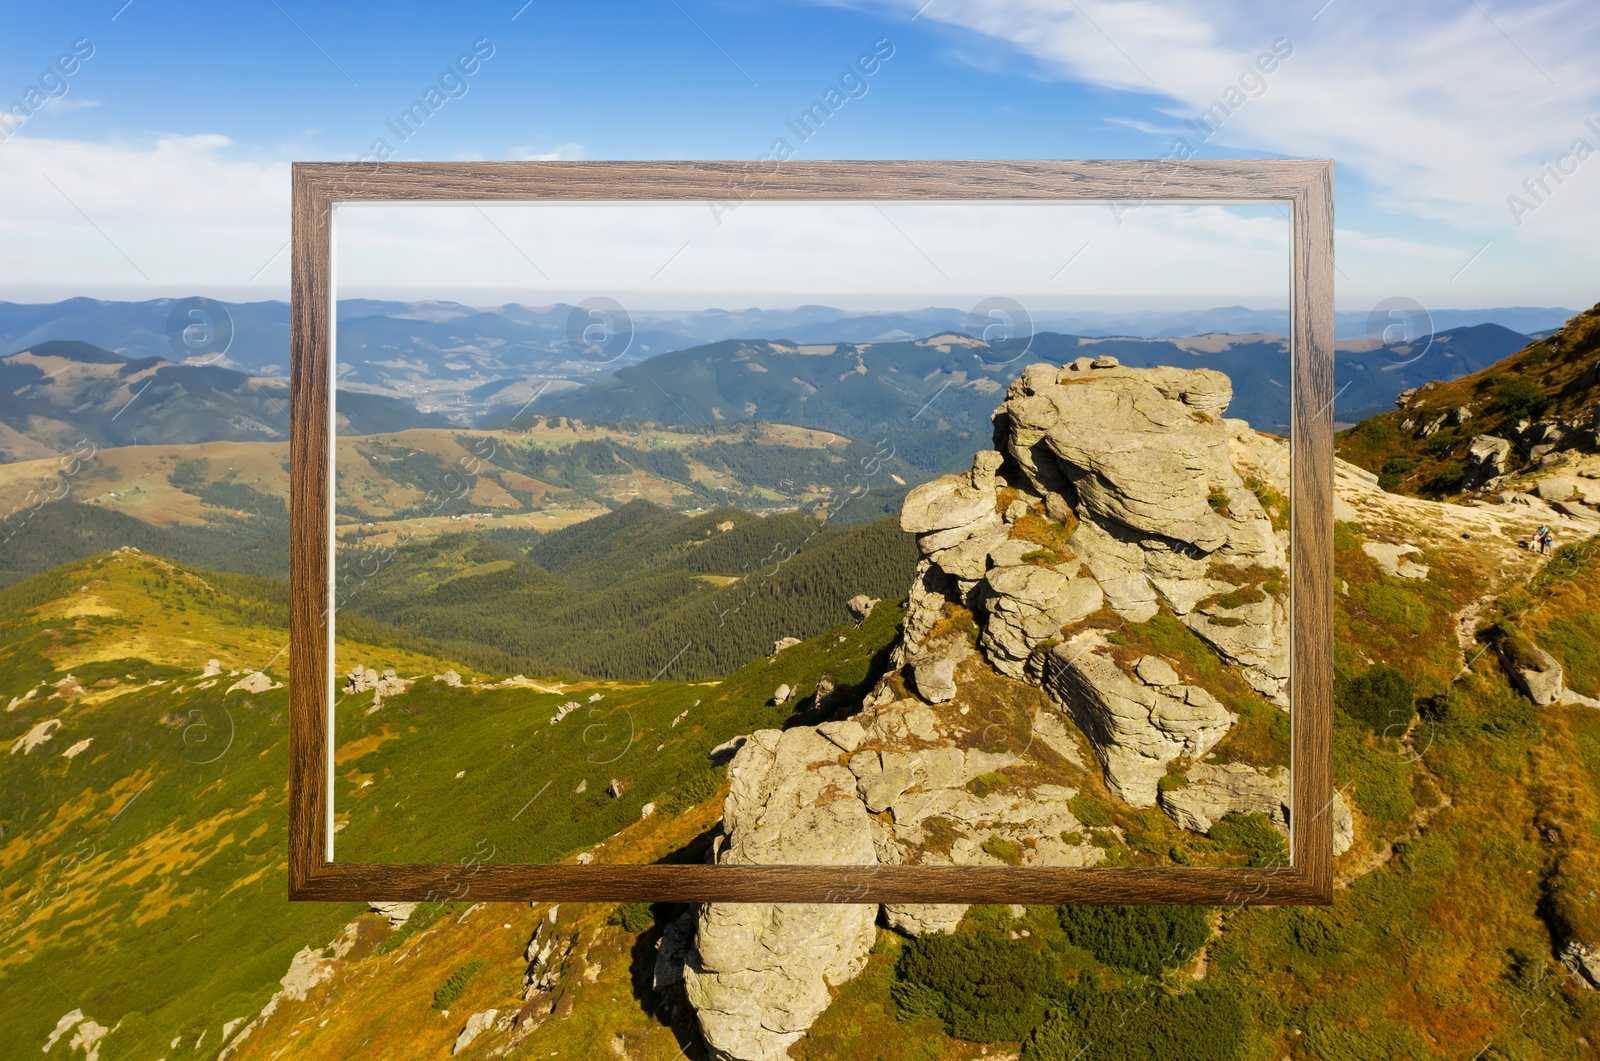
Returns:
(1488, 455)
(254, 682)
(860, 607)
(364, 679)
(1112, 494)
(397, 913)
(1139, 471)
(1028, 605)
(1583, 961)
(35, 736)
(87, 1037)
(477, 1024)
(1391, 559)
(360, 680)
(933, 667)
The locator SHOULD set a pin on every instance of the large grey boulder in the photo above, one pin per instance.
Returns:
(1136, 728)
(760, 972)
(1392, 559)
(936, 679)
(1488, 454)
(860, 607)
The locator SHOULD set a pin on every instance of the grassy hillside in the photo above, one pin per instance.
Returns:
(1550, 379)
(1367, 380)
(223, 505)
(142, 876)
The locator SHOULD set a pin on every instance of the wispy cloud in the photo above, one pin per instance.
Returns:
(558, 153)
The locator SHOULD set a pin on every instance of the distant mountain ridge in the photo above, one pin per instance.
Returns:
(932, 397)
(429, 363)
(55, 394)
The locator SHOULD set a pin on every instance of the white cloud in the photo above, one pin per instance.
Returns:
(1430, 102)
(559, 153)
(782, 254)
(179, 212)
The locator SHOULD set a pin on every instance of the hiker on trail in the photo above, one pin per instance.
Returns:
(1547, 540)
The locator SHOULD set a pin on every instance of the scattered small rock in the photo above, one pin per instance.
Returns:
(35, 736)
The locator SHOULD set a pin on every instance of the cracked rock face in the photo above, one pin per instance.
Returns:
(1145, 463)
(1138, 723)
(1583, 960)
(1235, 788)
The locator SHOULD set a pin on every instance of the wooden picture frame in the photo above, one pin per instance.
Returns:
(1305, 187)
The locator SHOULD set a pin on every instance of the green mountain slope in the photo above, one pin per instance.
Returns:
(1423, 447)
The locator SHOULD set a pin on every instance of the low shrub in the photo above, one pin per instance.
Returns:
(1254, 835)
(1090, 811)
(1206, 1024)
(457, 984)
(1379, 696)
(983, 986)
(1142, 938)
(633, 917)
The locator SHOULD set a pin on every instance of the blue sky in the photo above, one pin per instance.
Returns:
(162, 168)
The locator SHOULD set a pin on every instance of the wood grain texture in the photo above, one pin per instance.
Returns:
(491, 882)
(1307, 185)
(1311, 583)
(533, 181)
(310, 456)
